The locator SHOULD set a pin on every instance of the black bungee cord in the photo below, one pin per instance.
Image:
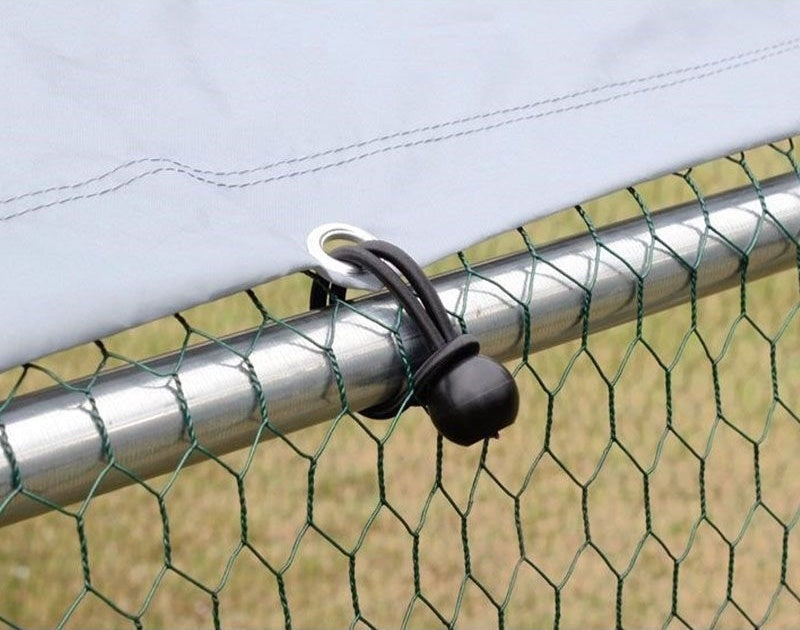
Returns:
(468, 395)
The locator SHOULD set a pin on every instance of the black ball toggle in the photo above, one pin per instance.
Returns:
(468, 396)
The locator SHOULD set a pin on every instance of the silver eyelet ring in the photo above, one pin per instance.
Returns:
(339, 272)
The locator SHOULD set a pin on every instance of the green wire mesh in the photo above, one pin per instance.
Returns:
(651, 480)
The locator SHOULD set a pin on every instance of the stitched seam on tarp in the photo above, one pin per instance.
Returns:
(383, 138)
(777, 49)
(399, 134)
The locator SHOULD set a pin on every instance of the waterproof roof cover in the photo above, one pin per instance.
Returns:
(157, 155)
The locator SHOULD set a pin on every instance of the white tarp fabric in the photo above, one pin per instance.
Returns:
(156, 155)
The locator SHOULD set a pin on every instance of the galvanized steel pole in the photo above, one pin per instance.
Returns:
(57, 446)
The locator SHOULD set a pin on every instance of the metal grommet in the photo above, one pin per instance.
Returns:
(339, 272)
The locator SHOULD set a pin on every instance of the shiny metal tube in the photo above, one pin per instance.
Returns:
(57, 446)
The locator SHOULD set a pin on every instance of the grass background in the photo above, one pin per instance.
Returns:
(40, 562)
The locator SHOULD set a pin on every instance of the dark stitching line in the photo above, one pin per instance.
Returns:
(395, 147)
(188, 168)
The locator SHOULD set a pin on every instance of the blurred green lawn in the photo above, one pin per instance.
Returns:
(40, 568)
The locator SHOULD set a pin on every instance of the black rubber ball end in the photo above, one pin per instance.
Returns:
(472, 400)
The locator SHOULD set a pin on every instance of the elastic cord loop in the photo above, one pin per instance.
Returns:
(321, 290)
(423, 306)
(369, 261)
(419, 282)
